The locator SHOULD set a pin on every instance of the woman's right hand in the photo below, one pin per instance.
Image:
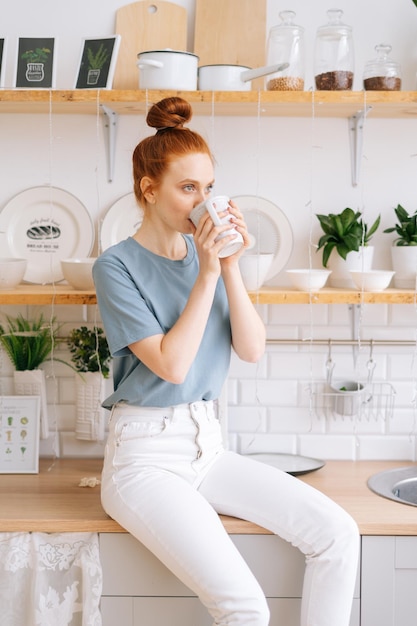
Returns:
(208, 248)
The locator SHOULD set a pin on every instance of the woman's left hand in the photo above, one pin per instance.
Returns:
(240, 225)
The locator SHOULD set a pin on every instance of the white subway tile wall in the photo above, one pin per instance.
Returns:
(281, 404)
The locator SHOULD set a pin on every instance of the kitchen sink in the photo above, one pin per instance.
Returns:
(399, 484)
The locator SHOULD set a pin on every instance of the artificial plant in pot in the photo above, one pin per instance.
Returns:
(345, 244)
(90, 356)
(404, 248)
(29, 343)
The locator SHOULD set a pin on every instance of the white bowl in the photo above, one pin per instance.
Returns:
(371, 280)
(79, 272)
(254, 269)
(12, 271)
(309, 279)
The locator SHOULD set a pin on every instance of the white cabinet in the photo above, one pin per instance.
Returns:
(138, 590)
(389, 581)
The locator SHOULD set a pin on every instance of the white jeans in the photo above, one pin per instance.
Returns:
(166, 477)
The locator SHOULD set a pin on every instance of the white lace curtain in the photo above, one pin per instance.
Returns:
(50, 579)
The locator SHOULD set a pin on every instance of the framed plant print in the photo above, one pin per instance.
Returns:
(97, 62)
(2, 61)
(19, 434)
(35, 63)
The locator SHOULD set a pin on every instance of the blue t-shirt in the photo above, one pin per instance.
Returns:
(141, 294)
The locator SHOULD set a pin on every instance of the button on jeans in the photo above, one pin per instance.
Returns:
(166, 477)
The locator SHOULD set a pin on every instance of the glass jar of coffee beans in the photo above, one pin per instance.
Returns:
(381, 73)
(286, 45)
(333, 54)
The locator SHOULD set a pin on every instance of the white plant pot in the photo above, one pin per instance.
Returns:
(33, 383)
(361, 260)
(404, 263)
(349, 397)
(90, 416)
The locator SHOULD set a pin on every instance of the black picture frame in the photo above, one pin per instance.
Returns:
(2, 61)
(35, 68)
(97, 62)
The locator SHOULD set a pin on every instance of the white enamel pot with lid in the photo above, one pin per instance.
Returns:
(223, 77)
(168, 69)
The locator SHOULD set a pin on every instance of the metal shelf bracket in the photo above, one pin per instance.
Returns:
(356, 124)
(110, 126)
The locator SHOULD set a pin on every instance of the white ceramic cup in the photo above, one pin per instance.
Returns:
(216, 205)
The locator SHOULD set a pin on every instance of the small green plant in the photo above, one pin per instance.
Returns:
(345, 232)
(97, 60)
(28, 343)
(89, 350)
(39, 55)
(406, 228)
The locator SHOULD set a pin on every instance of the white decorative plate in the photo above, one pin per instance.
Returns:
(121, 221)
(45, 225)
(269, 228)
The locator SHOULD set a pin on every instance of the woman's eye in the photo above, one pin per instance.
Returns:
(209, 188)
(188, 187)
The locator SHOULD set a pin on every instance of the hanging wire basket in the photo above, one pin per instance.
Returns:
(373, 401)
(363, 400)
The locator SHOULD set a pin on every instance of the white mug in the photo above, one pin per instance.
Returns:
(216, 205)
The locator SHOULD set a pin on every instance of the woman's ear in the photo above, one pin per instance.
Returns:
(147, 189)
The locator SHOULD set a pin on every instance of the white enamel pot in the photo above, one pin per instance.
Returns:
(222, 77)
(167, 69)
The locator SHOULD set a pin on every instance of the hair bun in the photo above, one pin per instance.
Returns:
(168, 113)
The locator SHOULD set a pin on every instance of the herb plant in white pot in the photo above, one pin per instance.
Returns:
(345, 245)
(29, 344)
(404, 248)
(90, 356)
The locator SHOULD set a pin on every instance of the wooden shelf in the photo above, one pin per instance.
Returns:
(46, 295)
(381, 104)
(63, 294)
(333, 296)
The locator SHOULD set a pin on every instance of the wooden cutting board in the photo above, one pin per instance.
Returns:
(146, 25)
(231, 32)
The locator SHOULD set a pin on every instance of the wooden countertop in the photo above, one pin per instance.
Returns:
(53, 501)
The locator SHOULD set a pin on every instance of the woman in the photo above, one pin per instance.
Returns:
(172, 311)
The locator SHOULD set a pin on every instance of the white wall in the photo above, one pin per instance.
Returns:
(301, 165)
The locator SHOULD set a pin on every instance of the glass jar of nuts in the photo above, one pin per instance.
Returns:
(333, 54)
(286, 45)
(382, 74)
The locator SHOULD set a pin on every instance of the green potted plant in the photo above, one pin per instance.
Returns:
(90, 356)
(404, 248)
(347, 236)
(89, 350)
(29, 344)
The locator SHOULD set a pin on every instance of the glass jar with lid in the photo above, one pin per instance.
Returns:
(381, 73)
(333, 54)
(286, 45)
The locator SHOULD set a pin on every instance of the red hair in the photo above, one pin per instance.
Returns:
(153, 154)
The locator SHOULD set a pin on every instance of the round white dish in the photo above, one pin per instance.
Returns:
(12, 271)
(308, 279)
(291, 463)
(121, 221)
(45, 225)
(270, 230)
(371, 280)
(79, 272)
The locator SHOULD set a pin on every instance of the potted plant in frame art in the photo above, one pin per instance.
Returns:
(404, 248)
(29, 344)
(345, 244)
(91, 358)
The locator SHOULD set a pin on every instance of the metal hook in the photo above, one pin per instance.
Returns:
(329, 363)
(371, 364)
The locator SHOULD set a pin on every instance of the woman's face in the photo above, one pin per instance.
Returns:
(188, 181)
